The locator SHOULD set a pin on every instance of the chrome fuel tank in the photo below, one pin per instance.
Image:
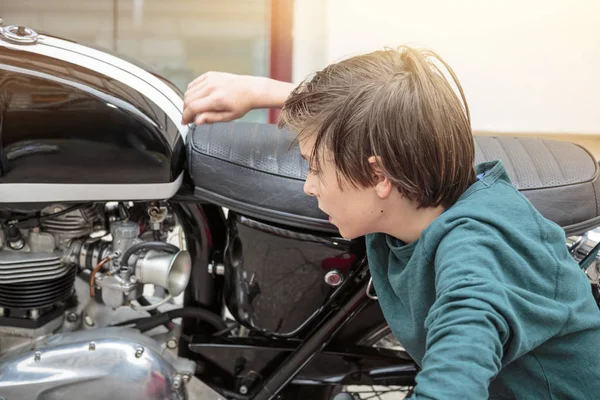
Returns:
(78, 124)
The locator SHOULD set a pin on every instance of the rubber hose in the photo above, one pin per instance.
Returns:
(144, 302)
(147, 323)
(147, 245)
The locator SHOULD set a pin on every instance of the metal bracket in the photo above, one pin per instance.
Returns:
(370, 289)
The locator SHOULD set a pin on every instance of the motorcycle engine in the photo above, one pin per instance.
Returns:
(71, 277)
(61, 267)
(36, 279)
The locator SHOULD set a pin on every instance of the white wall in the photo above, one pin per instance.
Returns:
(310, 37)
(526, 66)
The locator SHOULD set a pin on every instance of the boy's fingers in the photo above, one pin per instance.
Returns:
(210, 117)
(196, 107)
(198, 80)
(200, 90)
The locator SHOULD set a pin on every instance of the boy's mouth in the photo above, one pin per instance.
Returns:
(328, 216)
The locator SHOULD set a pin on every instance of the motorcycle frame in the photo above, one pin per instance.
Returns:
(318, 339)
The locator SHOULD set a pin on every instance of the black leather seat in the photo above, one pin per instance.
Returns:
(251, 168)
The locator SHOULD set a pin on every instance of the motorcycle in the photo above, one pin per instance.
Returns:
(143, 259)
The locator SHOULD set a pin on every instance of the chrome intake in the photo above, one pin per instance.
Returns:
(170, 271)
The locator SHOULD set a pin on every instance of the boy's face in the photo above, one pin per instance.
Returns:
(355, 212)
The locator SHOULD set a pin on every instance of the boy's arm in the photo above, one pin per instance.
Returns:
(220, 97)
(481, 319)
(465, 339)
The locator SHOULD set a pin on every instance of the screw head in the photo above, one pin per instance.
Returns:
(139, 352)
(92, 346)
(243, 389)
(186, 379)
(72, 317)
(37, 356)
(172, 344)
(133, 279)
(177, 381)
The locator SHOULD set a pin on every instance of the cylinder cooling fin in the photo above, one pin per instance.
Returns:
(38, 294)
(34, 280)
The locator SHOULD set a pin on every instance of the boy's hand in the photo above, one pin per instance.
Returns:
(219, 97)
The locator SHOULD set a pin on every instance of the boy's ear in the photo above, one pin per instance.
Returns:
(383, 186)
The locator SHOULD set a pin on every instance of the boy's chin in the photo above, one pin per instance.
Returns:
(349, 234)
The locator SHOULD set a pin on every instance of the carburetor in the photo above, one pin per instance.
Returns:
(120, 270)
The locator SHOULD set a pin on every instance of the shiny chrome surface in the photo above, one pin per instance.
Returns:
(111, 363)
(169, 271)
(80, 124)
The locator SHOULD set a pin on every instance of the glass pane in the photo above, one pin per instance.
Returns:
(180, 39)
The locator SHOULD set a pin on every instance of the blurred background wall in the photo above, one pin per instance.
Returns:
(527, 66)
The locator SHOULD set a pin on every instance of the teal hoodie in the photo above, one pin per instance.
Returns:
(489, 302)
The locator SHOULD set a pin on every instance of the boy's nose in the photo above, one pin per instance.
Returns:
(309, 188)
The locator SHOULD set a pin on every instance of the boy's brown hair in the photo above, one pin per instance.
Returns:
(394, 104)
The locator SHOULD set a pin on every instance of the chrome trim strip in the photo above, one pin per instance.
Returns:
(53, 192)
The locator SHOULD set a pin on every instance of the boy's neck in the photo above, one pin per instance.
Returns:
(408, 227)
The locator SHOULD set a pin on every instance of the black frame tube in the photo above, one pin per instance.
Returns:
(317, 340)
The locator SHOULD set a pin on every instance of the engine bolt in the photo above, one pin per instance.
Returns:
(133, 279)
(139, 351)
(243, 389)
(186, 379)
(172, 344)
(89, 321)
(92, 346)
(72, 317)
(177, 381)
(37, 356)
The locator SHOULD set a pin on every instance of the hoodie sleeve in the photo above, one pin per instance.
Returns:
(481, 318)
